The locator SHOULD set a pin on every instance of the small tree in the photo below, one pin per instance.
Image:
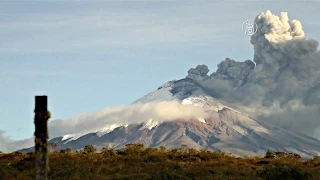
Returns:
(68, 150)
(89, 149)
(183, 148)
(134, 148)
(52, 146)
(162, 149)
(270, 154)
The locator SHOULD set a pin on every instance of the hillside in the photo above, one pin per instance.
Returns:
(138, 162)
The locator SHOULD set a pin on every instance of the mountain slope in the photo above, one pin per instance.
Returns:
(224, 128)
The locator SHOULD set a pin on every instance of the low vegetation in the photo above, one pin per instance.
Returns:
(138, 162)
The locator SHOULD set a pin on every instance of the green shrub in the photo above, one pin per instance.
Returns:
(89, 149)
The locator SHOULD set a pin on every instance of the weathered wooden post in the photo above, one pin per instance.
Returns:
(41, 136)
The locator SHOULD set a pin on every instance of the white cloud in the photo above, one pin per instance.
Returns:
(9, 145)
(122, 115)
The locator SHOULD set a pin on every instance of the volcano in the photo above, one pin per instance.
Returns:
(233, 110)
(225, 128)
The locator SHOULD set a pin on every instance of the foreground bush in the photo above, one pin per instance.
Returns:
(137, 162)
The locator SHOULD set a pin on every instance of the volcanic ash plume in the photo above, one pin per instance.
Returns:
(283, 76)
(199, 73)
(285, 66)
(287, 62)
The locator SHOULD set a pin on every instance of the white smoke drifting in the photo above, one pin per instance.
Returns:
(282, 83)
(124, 115)
(111, 117)
(9, 145)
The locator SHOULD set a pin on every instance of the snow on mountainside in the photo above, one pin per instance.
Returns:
(162, 94)
(224, 128)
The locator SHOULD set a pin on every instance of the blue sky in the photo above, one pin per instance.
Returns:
(87, 55)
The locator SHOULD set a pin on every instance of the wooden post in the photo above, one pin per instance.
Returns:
(41, 136)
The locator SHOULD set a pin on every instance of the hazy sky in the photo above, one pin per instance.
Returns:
(89, 55)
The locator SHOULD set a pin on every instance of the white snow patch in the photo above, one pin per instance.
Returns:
(207, 101)
(149, 124)
(202, 120)
(162, 94)
(72, 137)
(107, 130)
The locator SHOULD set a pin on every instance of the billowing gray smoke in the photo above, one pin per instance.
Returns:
(284, 75)
(199, 73)
(286, 62)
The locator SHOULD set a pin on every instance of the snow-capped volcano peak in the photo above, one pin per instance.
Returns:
(163, 93)
(174, 90)
(181, 112)
(187, 91)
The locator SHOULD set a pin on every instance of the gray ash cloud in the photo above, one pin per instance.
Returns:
(284, 73)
